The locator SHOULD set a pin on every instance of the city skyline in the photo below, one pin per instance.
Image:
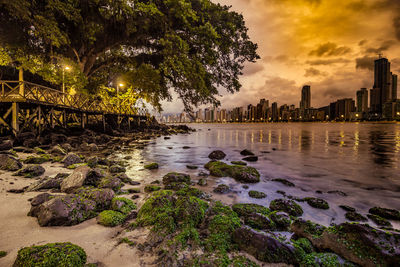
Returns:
(379, 102)
(330, 45)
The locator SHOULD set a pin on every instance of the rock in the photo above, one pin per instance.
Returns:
(186, 147)
(52, 254)
(247, 209)
(251, 158)
(389, 214)
(123, 205)
(217, 155)
(40, 199)
(65, 210)
(325, 259)
(257, 194)
(192, 167)
(94, 176)
(202, 174)
(347, 208)
(113, 183)
(202, 182)
(75, 180)
(264, 247)
(246, 152)
(281, 219)
(110, 218)
(31, 143)
(92, 162)
(259, 221)
(38, 160)
(175, 180)
(239, 163)
(9, 163)
(101, 196)
(337, 192)
(242, 174)
(355, 217)
(379, 220)
(58, 151)
(283, 181)
(307, 229)
(31, 171)
(317, 203)
(151, 188)
(117, 169)
(6, 145)
(71, 159)
(288, 206)
(48, 183)
(151, 166)
(221, 189)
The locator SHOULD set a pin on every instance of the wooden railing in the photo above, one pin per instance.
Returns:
(16, 91)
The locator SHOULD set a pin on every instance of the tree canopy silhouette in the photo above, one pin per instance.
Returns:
(193, 47)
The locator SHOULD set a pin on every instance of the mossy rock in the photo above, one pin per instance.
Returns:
(257, 194)
(325, 260)
(243, 174)
(39, 150)
(176, 177)
(245, 209)
(190, 191)
(52, 255)
(241, 261)
(151, 166)
(307, 229)
(239, 162)
(355, 217)
(224, 221)
(2, 253)
(122, 205)
(38, 160)
(304, 244)
(113, 183)
(221, 189)
(283, 181)
(117, 169)
(378, 220)
(286, 205)
(110, 218)
(151, 188)
(281, 219)
(192, 167)
(74, 166)
(134, 190)
(317, 203)
(347, 208)
(390, 214)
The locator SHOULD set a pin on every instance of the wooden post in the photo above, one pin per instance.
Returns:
(21, 81)
(83, 120)
(52, 118)
(104, 122)
(40, 119)
(64, 118)
(14, 123)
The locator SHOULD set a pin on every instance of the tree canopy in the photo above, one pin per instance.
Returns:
(193, 47)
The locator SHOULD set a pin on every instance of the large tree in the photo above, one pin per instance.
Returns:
(194, 47)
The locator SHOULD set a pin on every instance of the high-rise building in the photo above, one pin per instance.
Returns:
(394, 87)
(305, 102)
(375, 100)
(344, 107)
(362, 100)
(383, 81)
(274, 114)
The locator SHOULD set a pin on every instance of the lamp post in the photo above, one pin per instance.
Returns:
(63, 81)
(119, 103)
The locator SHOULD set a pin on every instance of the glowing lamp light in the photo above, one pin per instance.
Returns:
(67, 68)
(357, 115)
(121, 85)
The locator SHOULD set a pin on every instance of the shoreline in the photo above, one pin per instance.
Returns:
(102, 244)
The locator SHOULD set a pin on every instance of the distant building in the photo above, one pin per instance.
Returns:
(344, 108)
(362, 100)
(274, 112)
(375, 100)
(394, 87)
(305, 102)
(383, 81)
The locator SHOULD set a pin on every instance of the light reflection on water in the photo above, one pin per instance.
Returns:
(361, 159)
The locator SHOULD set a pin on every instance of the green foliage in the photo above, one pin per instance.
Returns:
(110, 218)
(122, 205)
(52, 254)
(241, 261)
(192, 46)
(127, 241)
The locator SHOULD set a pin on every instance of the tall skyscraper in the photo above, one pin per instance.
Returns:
(275, 114)
(362, 100)
(394, 87)
(305, 97)
(383, 80)
(375, 100)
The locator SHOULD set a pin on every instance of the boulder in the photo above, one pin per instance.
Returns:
(38, 159)
(286, 205)
(257, 194)
(9, 163)
(355, 217)
(71, 159)
(222, 189)
(113, 183)
(117, 169)
(75, 180)
(317, 203)
(57, 150)
(101, 196)
(281, 219)
(6, 145)
(52, 254)
(94, 176)
(65, 210)
(251, 158)
(246, 152)
(283, 181)
(390, 214)
(259, 221)
(242, 174)
(217, 155)
(264, 247)
(48, 183)
(31, 171)
(175, 180)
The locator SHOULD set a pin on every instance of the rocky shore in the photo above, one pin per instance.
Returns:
(66, 200)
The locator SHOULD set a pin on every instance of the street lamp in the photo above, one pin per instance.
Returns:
(66, 68)
(118, 86)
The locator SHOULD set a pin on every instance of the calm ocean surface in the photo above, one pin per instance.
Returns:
(359, 159)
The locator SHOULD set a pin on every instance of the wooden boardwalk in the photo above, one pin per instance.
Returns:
(24, 104)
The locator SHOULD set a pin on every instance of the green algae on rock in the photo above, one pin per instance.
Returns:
(110, 218)
(286, 205)
(52, 254)
(151, 188)
(390, 214)
(378, 220)
(317, 203)
(151, 166)
(257, 194)
(122, 205)
(355, 217)
(243, 174)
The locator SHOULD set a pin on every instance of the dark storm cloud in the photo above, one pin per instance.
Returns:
(312, 72)
(330, 49)
(383, 47)
(365, 62)
(331, 61)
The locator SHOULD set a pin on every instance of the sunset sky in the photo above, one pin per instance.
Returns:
(328, 44)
